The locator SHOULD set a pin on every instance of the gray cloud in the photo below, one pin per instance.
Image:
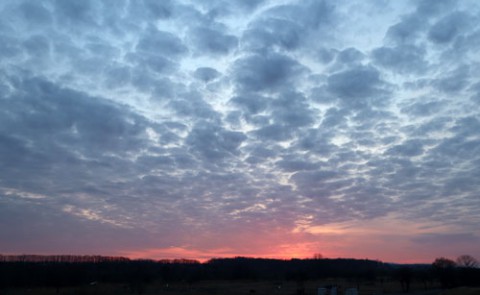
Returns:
(194, 108)
(266, 72)
(157, 9)
(124, 121)
(447, 28)
(211, 41)
(251, 103)
(79, 118)
(404, 58)
(409, 148)
(350, 56)
(35, 12)
(310, 15)
(313, 179)
(213, 142)
(423, 108)
(271, 33)
(162, 43)
(453, 81)
(74, 12)
(431, 7)
(292, 110)
(438, 239)
(407, 30)
(206, 74)
(358, 87)
(296, 165)
(274, 132)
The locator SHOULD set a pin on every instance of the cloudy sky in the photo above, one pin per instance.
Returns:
(217, 128)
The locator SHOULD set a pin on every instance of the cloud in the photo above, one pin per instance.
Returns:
(274, 132)
(310, 15)
(247, 120)
(269, 72)
(44, 146)
(287, 27)
(403, 58)
(296, 165)
(271, 33)
(453, 81)
(442, 239)
(409, 148)
(292, 110)
(80, 119)
(407, 30)
(431, 7)
(350, 56)
(222, 7)
(57, 232)
(36, 12)
(423, 108)
(358, 86)
(251, 103)
(206, 74)
(309, 180)
(211, 41)
(213, 142)
(156, 42)
(157, 10)
(447, 28)
(316, 141)
(74, 12)
(192, 105)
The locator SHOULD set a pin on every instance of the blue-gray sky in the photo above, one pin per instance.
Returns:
(210, 128)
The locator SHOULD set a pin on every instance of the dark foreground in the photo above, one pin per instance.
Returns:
(229, 288)
(85, 275)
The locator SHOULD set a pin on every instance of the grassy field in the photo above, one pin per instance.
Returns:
(462, 291)
(227, 288)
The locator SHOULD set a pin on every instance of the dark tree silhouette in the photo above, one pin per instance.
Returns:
(138, 276)
(468, 269)
(444, 269)
(467, 261)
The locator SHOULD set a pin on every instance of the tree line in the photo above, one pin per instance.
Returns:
(61, 271)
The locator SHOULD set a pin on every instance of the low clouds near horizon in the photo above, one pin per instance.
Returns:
(163, 129)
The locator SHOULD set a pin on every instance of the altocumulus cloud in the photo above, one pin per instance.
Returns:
(239, 127)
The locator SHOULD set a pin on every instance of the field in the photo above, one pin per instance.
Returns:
(462, 291)
(232, 288)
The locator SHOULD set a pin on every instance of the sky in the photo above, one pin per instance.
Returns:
(217, 128)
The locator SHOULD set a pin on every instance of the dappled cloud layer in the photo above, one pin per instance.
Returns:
(200, 129)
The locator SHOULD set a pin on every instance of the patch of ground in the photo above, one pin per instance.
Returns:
(462, 291)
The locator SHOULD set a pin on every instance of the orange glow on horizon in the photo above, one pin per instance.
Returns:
(286, 252)
(388, 239)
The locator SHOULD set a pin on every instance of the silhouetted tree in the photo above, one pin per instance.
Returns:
(444, 268)
(468, 270)
(467, 261)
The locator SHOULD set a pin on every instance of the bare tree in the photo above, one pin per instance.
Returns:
(467, 261)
